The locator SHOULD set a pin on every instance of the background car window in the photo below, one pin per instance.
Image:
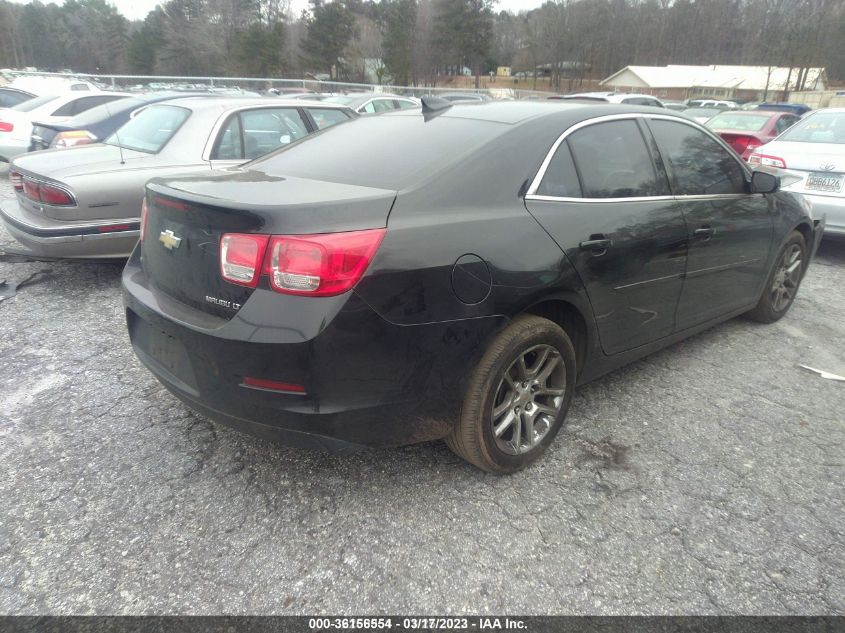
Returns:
(10, 98)
(784, 123)
(324, 117)
(404, 105)
(229, 145)
(369, 108)
(698, 164)
(613, 161)
(561, 178)
(268, 129)
(151, 129)
(821, 127)
(739, 122)
(32, 104)
(383, 105)
(83, 104)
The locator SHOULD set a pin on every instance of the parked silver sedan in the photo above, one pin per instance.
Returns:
(86, 201)
(813, 150)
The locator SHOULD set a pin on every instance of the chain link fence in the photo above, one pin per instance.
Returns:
(509, 88)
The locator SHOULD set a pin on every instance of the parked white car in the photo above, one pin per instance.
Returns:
(16, 122)
(813, 150)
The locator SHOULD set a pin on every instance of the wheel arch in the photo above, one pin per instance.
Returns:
(575, 320)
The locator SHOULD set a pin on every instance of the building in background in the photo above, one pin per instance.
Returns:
(742, 83)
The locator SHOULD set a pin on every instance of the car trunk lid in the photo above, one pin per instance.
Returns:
(188, 216)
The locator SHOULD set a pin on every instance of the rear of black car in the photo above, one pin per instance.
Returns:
(247, 312)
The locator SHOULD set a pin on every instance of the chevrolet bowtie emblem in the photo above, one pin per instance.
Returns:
(169, 239)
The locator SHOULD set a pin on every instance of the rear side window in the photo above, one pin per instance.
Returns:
(697, 164)
(324, 117)
(404, 105)
(561, 178)
(613, 161)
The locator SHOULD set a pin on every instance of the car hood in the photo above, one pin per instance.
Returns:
(86, 160)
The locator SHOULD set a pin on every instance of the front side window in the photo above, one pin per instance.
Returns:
(613, 161)
(821, 127)
(698, 165)
(324, 117)
(151, 129)
(270, 128)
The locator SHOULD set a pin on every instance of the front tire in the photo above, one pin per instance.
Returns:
(783, 281)
(517, 397)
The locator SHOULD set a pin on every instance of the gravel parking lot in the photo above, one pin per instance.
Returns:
(707, 478)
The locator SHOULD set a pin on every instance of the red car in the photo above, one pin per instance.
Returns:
(745, 131)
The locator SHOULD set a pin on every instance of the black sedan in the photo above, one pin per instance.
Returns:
(453, 273)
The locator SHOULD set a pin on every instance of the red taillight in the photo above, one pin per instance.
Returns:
(17, 180)
(320, 265)
(73, 138)
(144, 214)
(54, 195)
(5, 126)
(764, 159)
(273, 385)
(30, 190)
(241, 257)
(48, 194)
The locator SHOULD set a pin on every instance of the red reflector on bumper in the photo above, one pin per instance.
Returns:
(272, 385)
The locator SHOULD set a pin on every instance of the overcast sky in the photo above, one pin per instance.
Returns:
(138, 9)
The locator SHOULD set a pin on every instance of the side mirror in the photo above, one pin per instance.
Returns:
(764, 182)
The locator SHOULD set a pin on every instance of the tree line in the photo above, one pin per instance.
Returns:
(415, 41)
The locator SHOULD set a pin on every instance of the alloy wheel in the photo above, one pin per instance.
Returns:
(787, 278)
(528, 399)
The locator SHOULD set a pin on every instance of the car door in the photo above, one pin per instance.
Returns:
(730, 229)
(606, 202)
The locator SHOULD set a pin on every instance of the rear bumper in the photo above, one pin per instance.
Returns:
(368, 383)
(832, 210)
(54, 238)
(11, 147)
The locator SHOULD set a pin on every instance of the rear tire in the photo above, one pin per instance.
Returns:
(517, 397)
(783, 281)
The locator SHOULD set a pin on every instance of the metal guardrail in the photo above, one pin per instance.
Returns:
(509, 86)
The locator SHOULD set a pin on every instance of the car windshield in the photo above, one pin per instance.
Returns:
(739, 122)
(151, 129)
(822, 127)
(29, 106)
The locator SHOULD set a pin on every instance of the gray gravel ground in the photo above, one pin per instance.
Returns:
(706, 478)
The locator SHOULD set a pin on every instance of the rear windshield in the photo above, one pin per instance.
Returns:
(702, 112)
(341, 99)
(151, 129)
(390, 151)
(29, 106)
(739, 122)
(100, 113)
(822, 127)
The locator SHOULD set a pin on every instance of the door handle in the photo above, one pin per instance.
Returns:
(597, 245)
(704, 232)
